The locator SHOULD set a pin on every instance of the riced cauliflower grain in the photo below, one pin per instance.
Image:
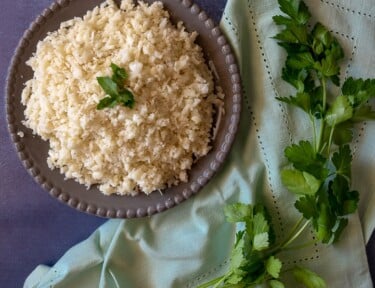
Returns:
(122, 150)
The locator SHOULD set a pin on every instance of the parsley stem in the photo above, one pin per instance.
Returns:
(291, 234)
(323, 82)
(330, 139)
(319, 142)
(323, 147)
(296, 235)
(213, 283)
(293, 230)
(296, 247)
(313, 122)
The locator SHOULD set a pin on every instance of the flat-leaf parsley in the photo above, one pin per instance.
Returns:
(115, 89)
(318, 172)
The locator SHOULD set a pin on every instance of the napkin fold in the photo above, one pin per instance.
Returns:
(190, 244)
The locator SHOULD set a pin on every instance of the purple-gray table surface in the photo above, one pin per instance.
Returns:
(34, 227)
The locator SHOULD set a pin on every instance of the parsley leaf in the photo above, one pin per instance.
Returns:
(282, 20)
(108, 85)
(342, 199)
(119, 74)
(300, 182)
(296, 9)
(343, 133)
(339, 227)
(359, 91)
(126, 98)
(273, 266)
(301, 100)
(363, 113)
(340, 111)
(327, 51)
(276, 284)
(342, 160)
(324, 222)
(308, 278)
(107, 102)
(304, 158)
(238, 212)
(261, 241)
(328, 66)
(260, 224)
(321, 38)
(307, 206)
(114, 87)
(237, 257)
(297, 78)
(300, 60)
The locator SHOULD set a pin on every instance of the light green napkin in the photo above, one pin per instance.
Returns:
(190, 244)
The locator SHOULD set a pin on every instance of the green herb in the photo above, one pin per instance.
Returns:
(308, 278)
(250, 262)
(318, 171)
(115, 89)
(253, 258)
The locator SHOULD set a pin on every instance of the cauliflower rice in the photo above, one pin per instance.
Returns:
(122, 150)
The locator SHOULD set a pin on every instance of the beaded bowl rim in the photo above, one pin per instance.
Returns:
(140, 205)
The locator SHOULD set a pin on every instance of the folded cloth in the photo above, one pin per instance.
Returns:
(190, 244)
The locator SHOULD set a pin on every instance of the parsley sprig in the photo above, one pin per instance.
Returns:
(318, 172)
(115, 89)
(253, 258)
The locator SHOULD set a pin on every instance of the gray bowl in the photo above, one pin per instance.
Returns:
(33, 151)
